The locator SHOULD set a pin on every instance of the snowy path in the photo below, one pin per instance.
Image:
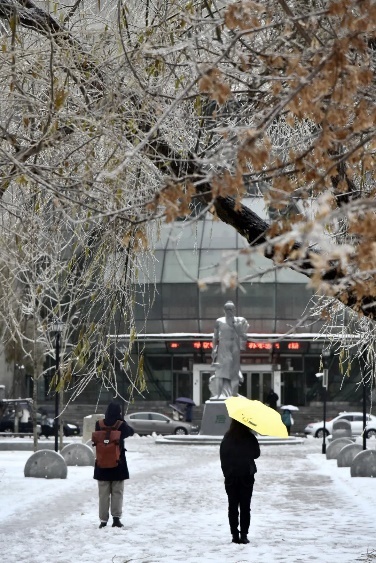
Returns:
(305, 510)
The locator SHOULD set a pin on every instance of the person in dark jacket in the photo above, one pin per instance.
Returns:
(272, 399)
(111, 480)
(239, 448)
(188, 412)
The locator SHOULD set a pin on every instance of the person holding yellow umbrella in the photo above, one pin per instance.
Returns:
(238, 451)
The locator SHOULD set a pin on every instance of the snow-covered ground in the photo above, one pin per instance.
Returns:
(305, 509)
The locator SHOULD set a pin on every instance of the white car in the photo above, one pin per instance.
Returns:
(316, 429)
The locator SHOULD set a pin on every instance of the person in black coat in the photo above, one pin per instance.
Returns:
(272, 399)
(239, 448)
(111, 480)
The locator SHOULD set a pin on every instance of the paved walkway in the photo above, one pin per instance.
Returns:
(304, 510)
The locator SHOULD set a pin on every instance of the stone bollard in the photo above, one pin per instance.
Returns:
(364, 464)
(78, 454)
(341, 429)
(89, 426)
(347, 454)
(336, 446)
(46, 464)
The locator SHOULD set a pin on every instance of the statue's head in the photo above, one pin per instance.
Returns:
(229, 306)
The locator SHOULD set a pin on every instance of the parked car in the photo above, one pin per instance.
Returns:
(149, 422)
(371, 429)
(48, 424)
(316, 429)
(25, 423)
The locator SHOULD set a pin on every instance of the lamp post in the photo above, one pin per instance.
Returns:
(325, 376)
(57, 329)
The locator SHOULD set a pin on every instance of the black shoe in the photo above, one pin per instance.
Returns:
(103, 524)
(116, 523)
(235, 537)
(243, 538)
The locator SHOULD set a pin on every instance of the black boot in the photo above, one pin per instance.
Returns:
(116, 523)
(103, 524)
(243, 538)
(235, 537)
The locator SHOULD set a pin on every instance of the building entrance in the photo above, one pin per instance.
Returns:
(257, 384)
(181, 384)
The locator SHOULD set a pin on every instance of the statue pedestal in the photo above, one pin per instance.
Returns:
(215, 420)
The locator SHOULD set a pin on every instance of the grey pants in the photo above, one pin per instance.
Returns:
(110, 491)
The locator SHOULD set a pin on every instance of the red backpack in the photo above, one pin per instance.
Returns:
(107, 444)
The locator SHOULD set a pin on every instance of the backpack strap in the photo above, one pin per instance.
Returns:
(116, 426)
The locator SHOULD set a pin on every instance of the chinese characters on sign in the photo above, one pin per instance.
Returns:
(204, 345)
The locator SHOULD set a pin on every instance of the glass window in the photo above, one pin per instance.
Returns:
(265, 326)
(140, 416)
(206, 326)
(180, 266)
(292, 300)
(287, 275)
(148, 305)
(306, 327)
(212, 301)
(213, 260)
(218, 235)
(257, 301)
(255, 268)
(180, 301)
(186, 236)
(347, 417)
(160, 417)
(182, 325)
(150, 327)
(159, 234)
(159, 363)
(150, 269)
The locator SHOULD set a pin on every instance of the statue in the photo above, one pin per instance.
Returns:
(230, 336)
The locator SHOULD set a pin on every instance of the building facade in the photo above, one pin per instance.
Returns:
(184, 297)
(181, 294)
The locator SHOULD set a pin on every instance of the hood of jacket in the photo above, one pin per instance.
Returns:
(113, 413)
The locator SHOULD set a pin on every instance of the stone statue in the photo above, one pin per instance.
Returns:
(230, 336)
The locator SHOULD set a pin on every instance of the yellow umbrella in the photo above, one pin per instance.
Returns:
(257, 416)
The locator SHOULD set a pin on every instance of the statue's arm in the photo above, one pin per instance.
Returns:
(215, 341)
(241, 327)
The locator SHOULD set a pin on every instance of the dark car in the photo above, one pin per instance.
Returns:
(48, 425)
(45, 425)
(7, 422)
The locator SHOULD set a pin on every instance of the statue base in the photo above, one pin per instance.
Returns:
(215, 420)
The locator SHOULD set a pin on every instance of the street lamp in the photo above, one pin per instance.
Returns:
(325, 363)
(57, 328)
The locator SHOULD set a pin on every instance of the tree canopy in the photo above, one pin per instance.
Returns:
(113, 115)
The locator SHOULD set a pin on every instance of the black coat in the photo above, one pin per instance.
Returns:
(237, 455)
(119, 473)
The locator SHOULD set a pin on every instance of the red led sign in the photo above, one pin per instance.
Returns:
(259, 345)
(203, 345)
(206, 345)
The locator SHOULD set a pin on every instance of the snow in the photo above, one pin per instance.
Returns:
(304, 509)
